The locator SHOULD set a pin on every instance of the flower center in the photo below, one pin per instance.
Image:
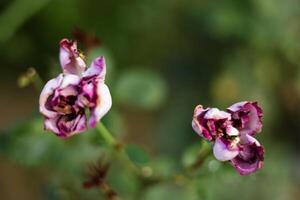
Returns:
(65, 105)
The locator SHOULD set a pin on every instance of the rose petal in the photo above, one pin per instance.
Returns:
(47, 91)
(222, 152)
(207, 122)
(103, 104)
(50, 124)
(70, 59)
(216, 114)
(70, 79)
(66, 125)
(247, 116)
(97, 68)
(250, 158)
(231, 131)
(199, 112)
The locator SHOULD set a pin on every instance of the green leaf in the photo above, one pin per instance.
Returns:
(16, 14)
(137, 154)
(141, 89)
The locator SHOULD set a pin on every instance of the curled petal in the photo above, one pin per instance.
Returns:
(199, 111)
(50, 124)
(231, 131)
(70, 79)
(247, 117)
(103, 104)
(97, 68)
(250, 157)
(198, 121)
(223, 151)
(47, 91)
(70, 59)
(216, 114)
(66, 125)
(207, 122)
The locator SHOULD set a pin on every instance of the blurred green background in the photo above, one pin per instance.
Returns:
(163, 58)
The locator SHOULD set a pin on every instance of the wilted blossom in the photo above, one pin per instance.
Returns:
(66, 99)
(232, 134)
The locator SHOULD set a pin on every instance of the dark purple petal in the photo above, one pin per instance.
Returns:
(250, 158)
(63, 97)
(210, 123)
(247, 117)
(67, 125)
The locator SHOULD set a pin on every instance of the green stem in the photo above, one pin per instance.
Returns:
(106, 135)
(117, 146)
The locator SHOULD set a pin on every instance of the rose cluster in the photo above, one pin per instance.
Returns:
(66, 100)
(232, 134)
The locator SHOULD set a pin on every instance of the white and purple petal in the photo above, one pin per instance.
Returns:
(225, 150)
(70, 59)
(198, 128)
(247, 117)
(47, 92)
(250, 157)
(64, 100)
(210, 122)
(97, 68)
(66, 125)
(103, 104)
(216, 114)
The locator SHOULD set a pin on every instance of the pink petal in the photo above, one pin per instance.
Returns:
(231, 131)
(97, 68)
(196, 124)
(70, 59)
(222, 151)
(50, 124)
(47, 91)
(64, 127)
(250, 158)
(70, 79)
(103, 104)
(216, 114)
(251, 123)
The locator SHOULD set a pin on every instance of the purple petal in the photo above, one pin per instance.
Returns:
(47, 91)
(103, 104)
(247, 117)
(250, 157)
(97, 68)
(223, 150)
(196, 123)
(66, 125)
(209, 122)
(70, 59)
